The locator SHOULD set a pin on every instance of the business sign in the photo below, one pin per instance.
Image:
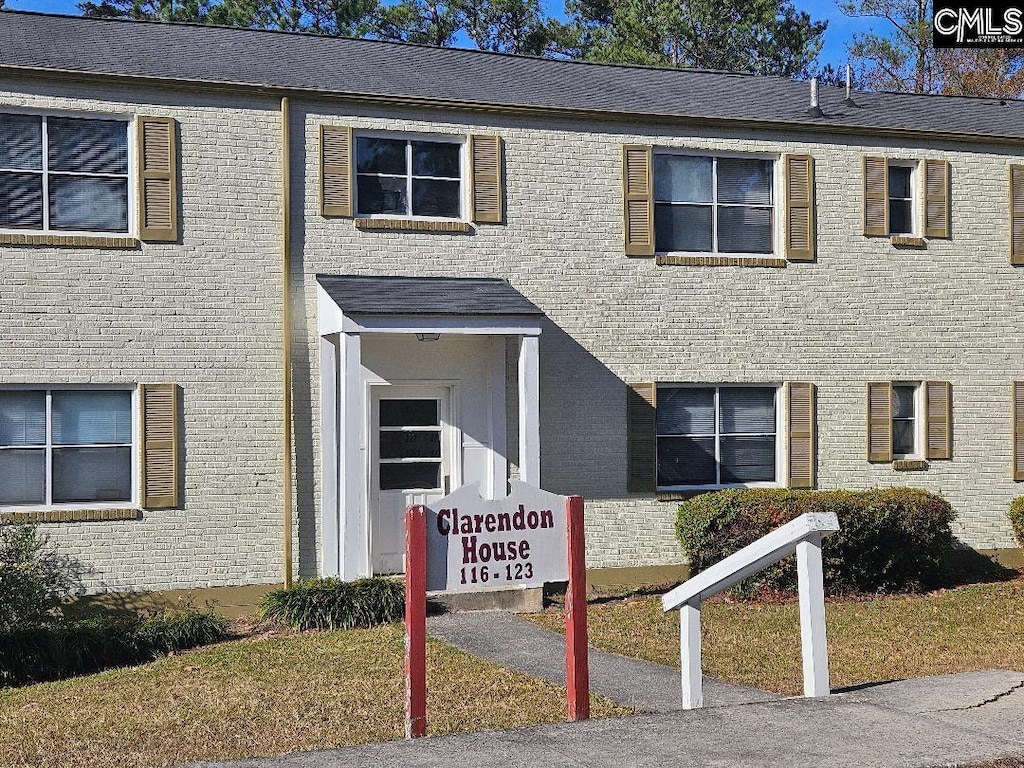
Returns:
(970, 25)
(475, 544)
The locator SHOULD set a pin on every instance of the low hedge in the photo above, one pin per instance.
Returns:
(336, 604)
(890, 540)
(37, 653)
(1016, 515)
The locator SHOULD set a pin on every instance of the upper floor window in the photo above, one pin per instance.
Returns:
(901, 199)
(905, 430)
(63, 174)
(408, 177)
(708, 204)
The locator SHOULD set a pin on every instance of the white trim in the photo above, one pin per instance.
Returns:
(529, 410)
(919, 413)
(489, 325)
(916, 198)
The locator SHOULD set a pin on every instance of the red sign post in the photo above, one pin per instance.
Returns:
(577, 668)
(415, 622)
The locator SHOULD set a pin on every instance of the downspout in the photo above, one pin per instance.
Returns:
(286, 332)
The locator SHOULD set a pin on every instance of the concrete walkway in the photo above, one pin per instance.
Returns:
(946, 720)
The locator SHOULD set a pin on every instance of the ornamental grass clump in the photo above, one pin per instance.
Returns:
(890, 539)
(336, 604)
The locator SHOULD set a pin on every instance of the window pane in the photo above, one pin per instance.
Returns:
(686, 461)
(83, 418)
(682, 227)
(22, 418)
(410, 445)
(903, 402)
(903, 437)
(88, 204)
(382, 194)
(682, 179)
(900, 218)
(435, 158)
(748, 459)
(401, 477)
(435, 198)
(21, 142)
(22, 477)
(686, 411)
(899, 181)
(747, 409)
(380, 155)
(87, 146)
(408, 413)
(21, 200)
(745, 230)
(92, 474)
(744, 181)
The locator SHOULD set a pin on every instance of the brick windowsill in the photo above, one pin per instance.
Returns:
(70, 241)
(69, 515)
(413, 225)
(910, 465)
(668, 260)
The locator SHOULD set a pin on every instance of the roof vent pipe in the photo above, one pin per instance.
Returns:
(815, 110)
(849, 87)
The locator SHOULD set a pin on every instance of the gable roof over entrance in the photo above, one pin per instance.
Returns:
(358, 295)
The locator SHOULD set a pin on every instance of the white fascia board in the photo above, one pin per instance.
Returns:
(493, 325)
(329, 317)
(767, 550)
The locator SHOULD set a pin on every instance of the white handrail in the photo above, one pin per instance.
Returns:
(802, 536)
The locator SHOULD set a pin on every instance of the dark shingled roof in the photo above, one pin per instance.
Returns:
(371, 68)
(362, 295)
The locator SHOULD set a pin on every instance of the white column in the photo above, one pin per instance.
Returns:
(689, 655)
(329, 509)
(529, 410)
(497, 471)
(812, 616)
(354, 529)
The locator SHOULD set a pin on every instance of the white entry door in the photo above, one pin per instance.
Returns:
(411, 457)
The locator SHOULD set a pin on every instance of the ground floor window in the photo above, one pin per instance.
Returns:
(65, 446)
(716, 435)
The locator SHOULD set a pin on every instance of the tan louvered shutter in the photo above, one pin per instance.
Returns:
(1017, 215)
(938, 403)
(880, 421)
(876, 196)
(1018, 430)
(641, 441)
(800, 208)
(936, 198)
(801, 434)
(488, 192)
(160, 462)
(157, 179)
(336, 170)
(638, 199)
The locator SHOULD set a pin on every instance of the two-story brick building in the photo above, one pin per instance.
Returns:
(421, 268)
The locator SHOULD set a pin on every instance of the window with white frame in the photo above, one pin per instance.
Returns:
(65, 446)
(713, 436)
(901, 198)
(712, 204)
(63, 174)
(408, 177)
(905, 420)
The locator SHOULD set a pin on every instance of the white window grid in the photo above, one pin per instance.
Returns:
(917, 403)
(714, 205)
(48, 447)
(911, 167)
(45, 172)
(718, 434)
(438, 460)
(409, 177)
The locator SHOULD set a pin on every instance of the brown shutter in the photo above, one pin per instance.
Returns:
(641, 438)
(488, 197)
(938, 416)
(1017, 215)
(801, 434)
(800, 208)
(1018, 430)
(157, 179)
(160, 465)
(876, 196)
(936, 198)
(336, 161)
(880, 421)
(638, 199)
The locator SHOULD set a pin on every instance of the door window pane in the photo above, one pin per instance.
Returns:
(409, 413)
(682, 179)
(682, 228)
(22, 476)
(748, 459)
(87, 146)
(686, 460)
(84, 418)
(410, 445)
(22, 418)
(410, 476)
(21, 142)
(88, 204)
(380, 155)
(92, 474)
(747, 409)
(686, 411)
(743, 180)
(21, 200)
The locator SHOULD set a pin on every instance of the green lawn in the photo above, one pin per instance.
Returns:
(758, 644)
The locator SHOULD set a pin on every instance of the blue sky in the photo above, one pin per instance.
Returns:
(840, 27)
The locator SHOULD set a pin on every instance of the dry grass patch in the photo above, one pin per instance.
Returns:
(758, 644)
(264, 696)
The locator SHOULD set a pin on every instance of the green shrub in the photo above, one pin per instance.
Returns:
(1016, 515)
(34, 577)
(890, 540)
(36, 653)
(336, 604)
